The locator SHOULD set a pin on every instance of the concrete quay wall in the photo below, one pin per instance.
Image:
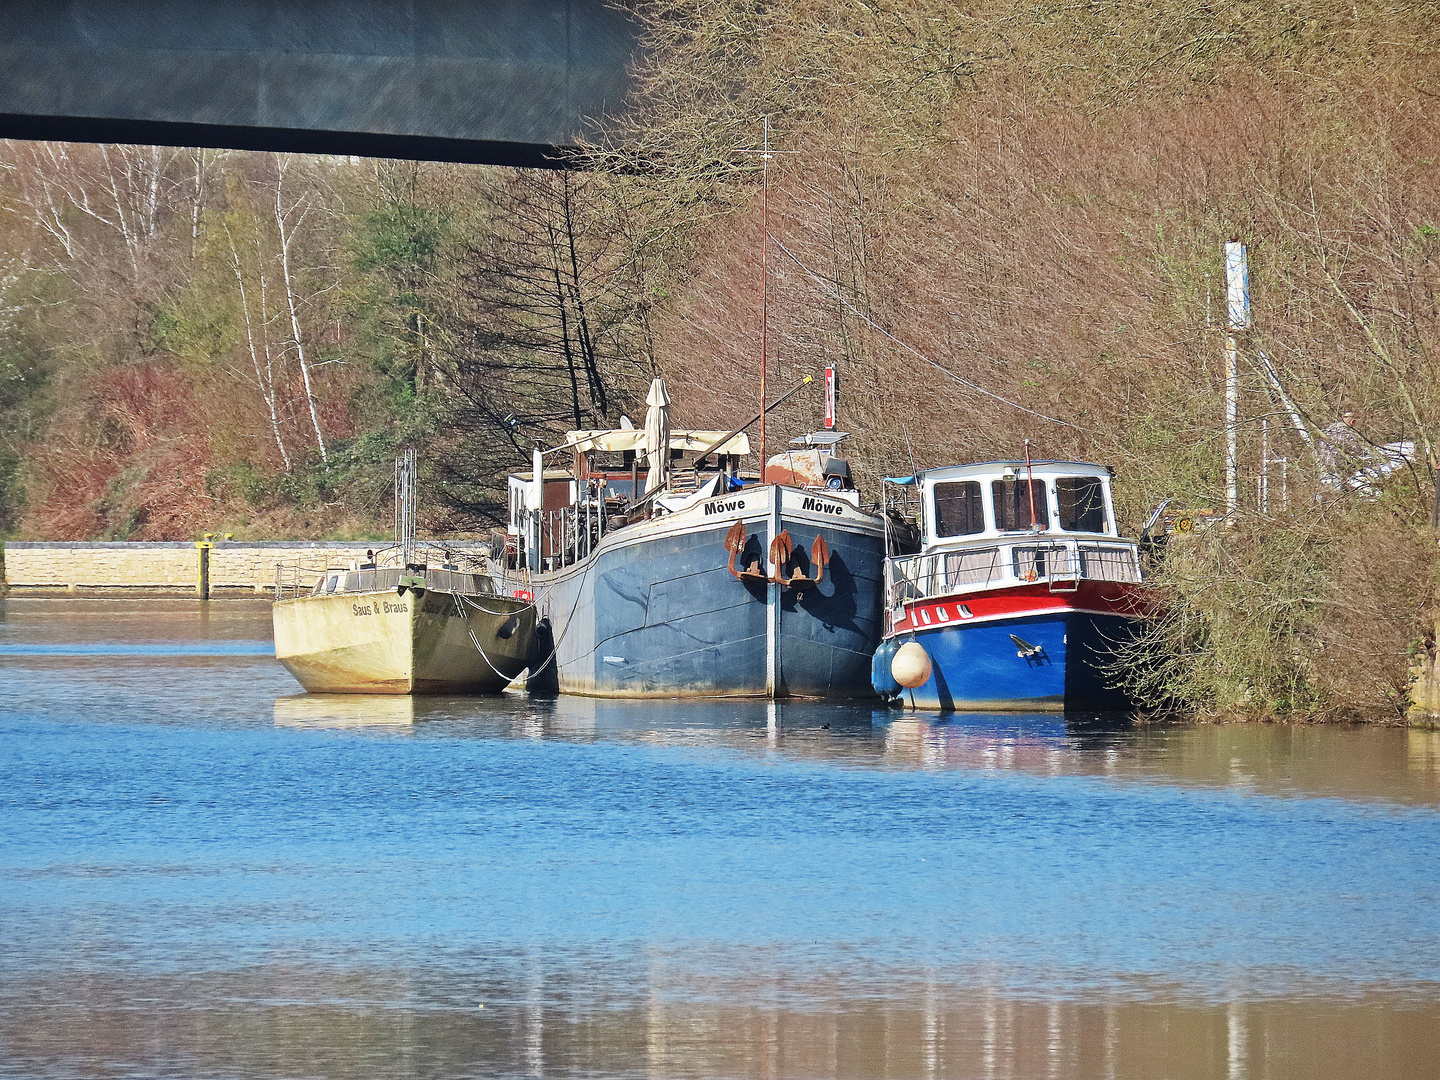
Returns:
(235, 567)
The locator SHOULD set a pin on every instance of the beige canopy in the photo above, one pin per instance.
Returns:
(617, 439)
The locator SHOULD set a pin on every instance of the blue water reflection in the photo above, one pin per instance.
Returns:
(171, 816)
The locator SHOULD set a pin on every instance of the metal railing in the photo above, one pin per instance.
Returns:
(1061, 564)
(301, 579)
(563, 537)
(459, 572)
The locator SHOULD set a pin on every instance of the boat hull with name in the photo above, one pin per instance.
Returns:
(409, 639)
(666, 608)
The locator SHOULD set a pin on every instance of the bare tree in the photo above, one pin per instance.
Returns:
(127, 191)
(257, 339)
(290, 216)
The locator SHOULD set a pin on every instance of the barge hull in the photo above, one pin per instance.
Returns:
(416, 643)
(657, 612)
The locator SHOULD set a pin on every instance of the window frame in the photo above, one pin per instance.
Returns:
(1042, 504)
(935, 508)
(1102, 504)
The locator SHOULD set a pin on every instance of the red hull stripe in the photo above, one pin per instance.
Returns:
(1120, 598)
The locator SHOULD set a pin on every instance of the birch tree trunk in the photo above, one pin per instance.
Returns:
(287, 229)
(264, 374)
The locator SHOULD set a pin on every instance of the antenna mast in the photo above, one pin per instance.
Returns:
(764, 286)
(1237, 318)
(405, 470)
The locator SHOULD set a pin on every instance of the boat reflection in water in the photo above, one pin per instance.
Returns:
(344, 711)
(1332, 761)
(638, 1020)
(1391, 764)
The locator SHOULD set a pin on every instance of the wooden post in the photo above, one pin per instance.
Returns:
(202, 567)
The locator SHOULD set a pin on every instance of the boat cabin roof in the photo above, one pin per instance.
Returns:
(997, 469)
(614, 440)
(965, 505)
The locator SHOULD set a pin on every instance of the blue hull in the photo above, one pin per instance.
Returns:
(662, 616)
(980, 667)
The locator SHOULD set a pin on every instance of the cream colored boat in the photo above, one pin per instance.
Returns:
(416, 631)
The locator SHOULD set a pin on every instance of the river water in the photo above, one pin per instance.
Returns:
(206, 873)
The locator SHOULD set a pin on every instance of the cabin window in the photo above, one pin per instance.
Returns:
(958, 511)
(1036, 563)
(1082, 503)
(1013, 504)
(1110, 564)
(972, 567)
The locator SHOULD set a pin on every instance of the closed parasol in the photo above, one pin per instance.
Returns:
(657, 434)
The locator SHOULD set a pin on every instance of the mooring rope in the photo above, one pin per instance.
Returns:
(461, 603)
(532, 604)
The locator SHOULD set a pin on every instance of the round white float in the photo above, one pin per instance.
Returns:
(911, 665)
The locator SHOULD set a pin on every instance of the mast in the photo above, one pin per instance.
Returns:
(405, 475)
(1030, 486)
(764, 286)
(1237, 318)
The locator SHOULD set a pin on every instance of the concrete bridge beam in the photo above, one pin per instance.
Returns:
(490, 81)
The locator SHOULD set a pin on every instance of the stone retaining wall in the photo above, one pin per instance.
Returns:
(237, 567)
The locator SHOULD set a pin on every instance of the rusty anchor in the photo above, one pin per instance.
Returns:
(782, 553)
(735, 541)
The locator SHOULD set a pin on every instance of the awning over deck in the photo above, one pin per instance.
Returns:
(618, 439)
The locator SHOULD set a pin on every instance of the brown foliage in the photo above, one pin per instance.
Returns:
(124, 464)
(1034, 205)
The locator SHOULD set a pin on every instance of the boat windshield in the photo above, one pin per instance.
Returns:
(958, 509)
(1014, 503)
(1081, 500)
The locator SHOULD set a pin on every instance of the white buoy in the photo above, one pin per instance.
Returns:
(911, 665)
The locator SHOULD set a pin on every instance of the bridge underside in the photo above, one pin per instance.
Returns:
(504, 82)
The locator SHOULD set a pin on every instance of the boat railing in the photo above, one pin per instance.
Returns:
(1060, 564)
(461, 573)
(566, 535)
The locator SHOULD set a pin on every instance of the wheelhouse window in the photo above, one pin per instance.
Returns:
(1036, 563)
(1082, 503)
(958, 509)
(1013, 503)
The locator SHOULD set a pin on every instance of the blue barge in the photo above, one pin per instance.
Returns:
(731, 589)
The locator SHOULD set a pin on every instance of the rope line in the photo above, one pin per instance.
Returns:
(475, 604)
(460, 605)
(569, 619)
(828, 287)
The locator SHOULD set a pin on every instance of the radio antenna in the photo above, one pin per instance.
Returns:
(405, 470)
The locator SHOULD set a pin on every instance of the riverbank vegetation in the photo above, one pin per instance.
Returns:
(1000, 221)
